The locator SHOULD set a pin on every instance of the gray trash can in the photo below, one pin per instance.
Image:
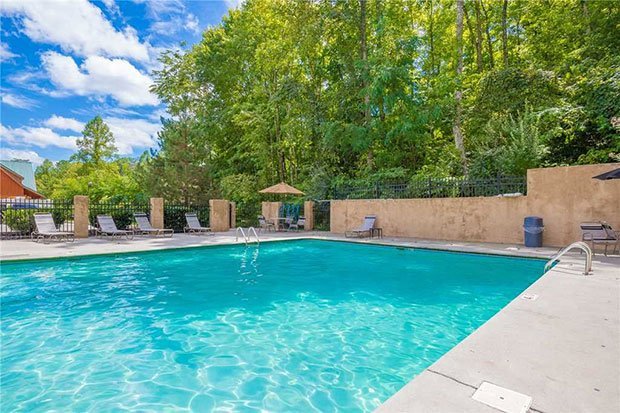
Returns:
(533, 231)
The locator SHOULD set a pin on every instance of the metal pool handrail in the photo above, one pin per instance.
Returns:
(579, 245)
(246, 237)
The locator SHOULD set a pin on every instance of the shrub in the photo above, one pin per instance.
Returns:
(18, 219)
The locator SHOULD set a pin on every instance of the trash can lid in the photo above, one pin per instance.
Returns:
(533, 221)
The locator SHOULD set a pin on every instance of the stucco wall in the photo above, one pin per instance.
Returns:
(270, 210)
(563, 196)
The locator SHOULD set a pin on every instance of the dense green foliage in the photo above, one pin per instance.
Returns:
(318, 92)
(94, 170)
(335, 91)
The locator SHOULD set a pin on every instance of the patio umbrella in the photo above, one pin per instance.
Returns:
(614, 174)
(281, 189)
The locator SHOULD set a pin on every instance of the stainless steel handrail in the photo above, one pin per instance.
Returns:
(245, 238)
(253, 230)
(579, 245)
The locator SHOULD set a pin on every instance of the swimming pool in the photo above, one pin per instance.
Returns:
(303, 325)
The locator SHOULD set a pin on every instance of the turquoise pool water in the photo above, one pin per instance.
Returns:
(292, 326)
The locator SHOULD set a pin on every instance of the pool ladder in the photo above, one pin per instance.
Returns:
(579, 245)
(246, 237)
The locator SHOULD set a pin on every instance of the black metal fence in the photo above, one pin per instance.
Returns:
(17, 215)
(432, 188)
(174, 215)
(121, 212)
(321, 215)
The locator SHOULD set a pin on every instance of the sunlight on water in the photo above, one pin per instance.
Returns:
(296, 326)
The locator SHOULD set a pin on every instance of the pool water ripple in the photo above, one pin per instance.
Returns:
(295, 326)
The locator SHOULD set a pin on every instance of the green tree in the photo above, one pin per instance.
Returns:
(96, 144)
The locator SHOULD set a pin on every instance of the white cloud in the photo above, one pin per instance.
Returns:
(5, 53)
(192, 24)
(77, 26)
(32, 156)
(16, 101)
(233, 4)
(111, 6)
(62, 123)
(130, 134)
(34, 136)
(99, 76)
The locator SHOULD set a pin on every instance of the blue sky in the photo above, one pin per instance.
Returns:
(64, 62)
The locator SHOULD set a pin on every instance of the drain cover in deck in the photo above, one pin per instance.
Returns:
(503, 399)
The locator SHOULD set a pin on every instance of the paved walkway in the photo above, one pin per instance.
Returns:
(562, 348)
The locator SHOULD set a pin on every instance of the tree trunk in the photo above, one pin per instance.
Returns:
(458, 94)
(431, 37)
(478, 30)
(505, 32)
(475, 40)
(364, 59)
(488, 33)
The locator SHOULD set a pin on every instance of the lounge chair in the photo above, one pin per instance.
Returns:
(365, 229)
(264, 224)
(145, 227)
(193, 225)
(301, 222)
(107, 228)
(46, 229)
(600, 233)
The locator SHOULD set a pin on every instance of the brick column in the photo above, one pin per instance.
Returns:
(80, 216)
(219, 215)
(157, 212)
(309, 215)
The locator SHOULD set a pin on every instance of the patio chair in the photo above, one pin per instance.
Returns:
(288, 221)
(46, 229)
(107, 228)
(193, 225)
(600, 233)
(145, 227)
(301, 222)
(365, 229)
(264, 224)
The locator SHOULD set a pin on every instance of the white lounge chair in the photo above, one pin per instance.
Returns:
(107, 228)
(145, 227)
(46, 229)
(365, 229)
(193, 225)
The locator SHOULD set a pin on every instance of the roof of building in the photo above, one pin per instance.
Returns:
(24, 169)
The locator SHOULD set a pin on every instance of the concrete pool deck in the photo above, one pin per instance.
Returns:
(561, 346)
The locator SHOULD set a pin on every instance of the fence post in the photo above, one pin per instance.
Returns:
(219, 215)
(80, 216)
(156, 212)
(233, 214)
(430, 188)
(309, 215)
(270, 210)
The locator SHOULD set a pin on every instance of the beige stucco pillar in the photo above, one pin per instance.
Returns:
(309, 215)
(270, 210)
(80, 216)
(219, 215)
(157, 212)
